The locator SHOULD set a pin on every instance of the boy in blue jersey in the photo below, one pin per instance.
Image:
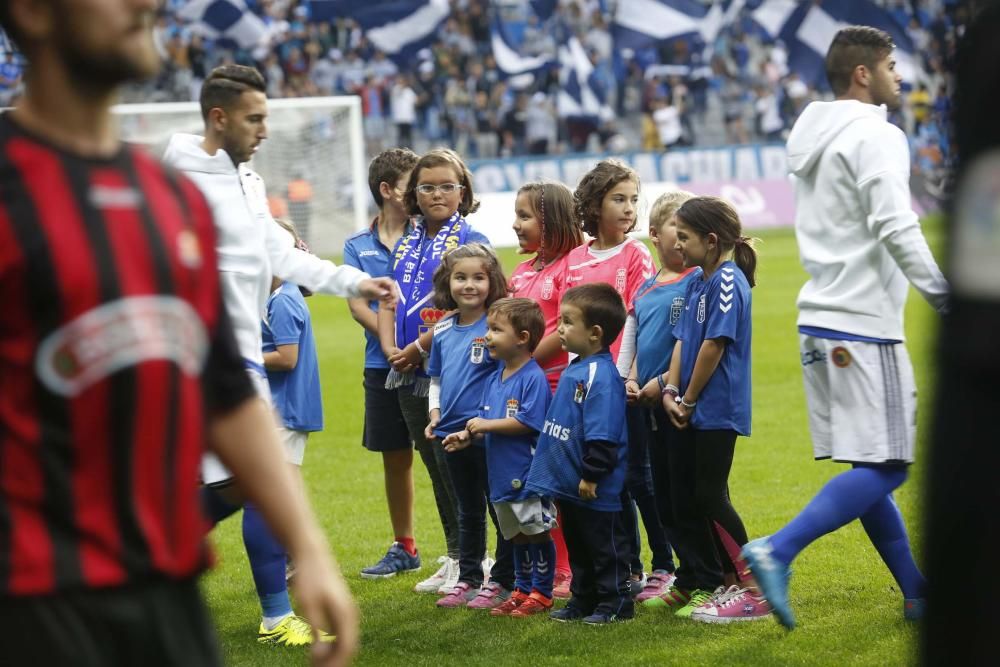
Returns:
(581, 458)
(386, 428)
(513, 409)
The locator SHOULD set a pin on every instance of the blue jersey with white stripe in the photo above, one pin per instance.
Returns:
(460, 358)
(525, 396)
(366, 251)
(719, 307)
(589, 404)
(658, 307)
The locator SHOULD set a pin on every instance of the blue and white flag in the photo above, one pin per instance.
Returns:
(808, 28)
(398, 28)
(643, 24)
(580, 93)
(508, 56)
(228, 22)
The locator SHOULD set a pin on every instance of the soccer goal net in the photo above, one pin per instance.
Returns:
(313, 161)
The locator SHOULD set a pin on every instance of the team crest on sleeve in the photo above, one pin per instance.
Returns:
(620, 281)
(726, 296)
(580, 393)
(477, 351)
(676, 308)
(512, 406)
(701, 309)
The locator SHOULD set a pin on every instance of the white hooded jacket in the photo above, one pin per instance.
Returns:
(251, 246)
(858, 236)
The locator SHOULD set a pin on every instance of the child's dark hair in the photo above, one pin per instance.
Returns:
(225, 84)
(853, 46)
(523, 315)
(441, 157)
(601, 306)
(553, 204)
(594, 185)
(387, 167)
(442, 275)
(711, 215)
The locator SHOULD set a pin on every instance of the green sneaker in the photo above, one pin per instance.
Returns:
(699, 596)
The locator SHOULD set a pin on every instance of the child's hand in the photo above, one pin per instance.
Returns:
(631, 391)
(454, 442)
(399, 360)
(677, 413)
(435, 419)
(588, 490)
(477, 426)
(650, 394)
(412, 355)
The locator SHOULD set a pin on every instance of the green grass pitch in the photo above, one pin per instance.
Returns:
(849, 609)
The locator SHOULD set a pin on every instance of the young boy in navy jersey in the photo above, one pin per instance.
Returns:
(581, 457)
(513, 410)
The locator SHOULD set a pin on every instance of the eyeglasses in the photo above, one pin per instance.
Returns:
(444, 188)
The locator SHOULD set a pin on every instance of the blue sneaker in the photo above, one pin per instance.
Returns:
(568, 614)
(772, 578)
(914, 608)
(395, 561)
(606, 614)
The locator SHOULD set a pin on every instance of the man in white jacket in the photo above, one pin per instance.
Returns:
(861, 244)
(251, 249)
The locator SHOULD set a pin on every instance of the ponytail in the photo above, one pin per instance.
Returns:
(712, 215)
(745, 256)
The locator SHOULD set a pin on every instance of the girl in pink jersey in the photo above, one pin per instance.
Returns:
(545, 224)
(606, 203)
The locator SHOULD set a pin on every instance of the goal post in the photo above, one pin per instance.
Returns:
(313, 161)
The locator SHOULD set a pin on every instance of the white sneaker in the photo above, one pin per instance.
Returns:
(488, 564)
(432, 583)
(452, 577)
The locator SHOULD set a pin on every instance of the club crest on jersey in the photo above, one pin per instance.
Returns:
(701, 309)
(676, 308)
(118, 335)
(512, 406)
(478, 350)
(547, 288)
(840, 357)
(620, 281)
(580, 393)
(188, 249)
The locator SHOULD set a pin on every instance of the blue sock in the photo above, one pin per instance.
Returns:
(215, 508)
(267, 563)
(544, 571)
(522, 568)
(884, 525)
(846, 497)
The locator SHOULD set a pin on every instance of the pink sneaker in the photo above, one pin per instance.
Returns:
(458, 597)
(491, 595)
(657, 582)
(560, 587)
(741, 604)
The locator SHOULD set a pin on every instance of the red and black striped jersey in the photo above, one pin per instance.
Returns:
(114, 350)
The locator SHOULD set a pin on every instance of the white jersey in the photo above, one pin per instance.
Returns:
(858, 236)
(251, 246)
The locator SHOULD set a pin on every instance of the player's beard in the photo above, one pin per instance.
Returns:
(105, 69)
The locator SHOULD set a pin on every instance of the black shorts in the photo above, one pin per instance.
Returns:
(385, 428)
(157, 623)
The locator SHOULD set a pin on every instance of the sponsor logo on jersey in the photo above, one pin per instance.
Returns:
(840, 357)
(555, 430)
(676, 308)
(812, 356)
(701, 309)
(512, 406)
(118, 335)
(113, 197)
(368, 253)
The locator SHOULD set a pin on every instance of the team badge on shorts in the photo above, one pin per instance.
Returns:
(516, 484)
(512, 406)
(580, 392)
(477, 351)
(840, 357)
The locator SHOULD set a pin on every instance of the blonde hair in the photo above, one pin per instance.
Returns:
(665, 206)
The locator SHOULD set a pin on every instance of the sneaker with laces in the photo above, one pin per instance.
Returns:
(914, 608)
(699, 596)
(509, 605)
(569, 614)
(604, 615)
(672, 598)
(458, 596)
(396, 560)
(536, 603)
(490, 596)
(560, 586)
(451, 579)
(735, 605)
(657, 582)
(772, 578)
(432, 583)
(291, 631)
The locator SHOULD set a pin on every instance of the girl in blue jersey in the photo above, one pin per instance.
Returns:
(707, 397)
(467, 281)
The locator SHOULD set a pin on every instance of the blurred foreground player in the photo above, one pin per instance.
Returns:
(117, 368)
(862, 245)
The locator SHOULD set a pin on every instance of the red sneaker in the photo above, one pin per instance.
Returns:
(536, 603)
(510, 604)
